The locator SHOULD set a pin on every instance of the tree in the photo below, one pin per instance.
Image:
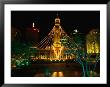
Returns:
(20, 53)
(76, 46)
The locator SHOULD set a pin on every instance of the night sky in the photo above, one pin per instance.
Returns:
(84, 21)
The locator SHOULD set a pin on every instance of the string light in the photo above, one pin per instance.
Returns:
(62, 46)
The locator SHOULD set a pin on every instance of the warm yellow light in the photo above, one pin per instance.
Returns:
(93, 45)
(14, 66)
(60, 74)
(54, 74)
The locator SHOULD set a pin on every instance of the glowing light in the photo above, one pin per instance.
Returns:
(54, 74)
(34, 29)
(75, 30)
(33, 25)
(92, 42)
(60, 74)
(57, 74)
(14, 66)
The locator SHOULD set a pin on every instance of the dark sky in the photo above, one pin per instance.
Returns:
(84, 21)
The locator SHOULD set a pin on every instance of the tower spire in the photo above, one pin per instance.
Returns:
(33, 25)
(57, 20)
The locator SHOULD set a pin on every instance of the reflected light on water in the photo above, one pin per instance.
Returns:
(54, 74)
(60, 74)
(57, 74)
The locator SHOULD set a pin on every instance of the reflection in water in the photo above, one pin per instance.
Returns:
(54, 74)
(52, 70)
(58, 70)
(57, 74)
(61, 74)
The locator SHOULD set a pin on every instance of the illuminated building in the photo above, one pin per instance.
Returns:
(57, 45)
(93, 42)
(32, 34)
(52, 46)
